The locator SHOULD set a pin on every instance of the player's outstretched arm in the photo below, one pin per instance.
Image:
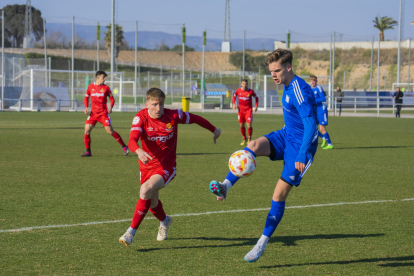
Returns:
(112, 100)
(86, 103)
(189, 118)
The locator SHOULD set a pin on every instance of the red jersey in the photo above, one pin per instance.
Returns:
(245, 99)
(98, 95)
(159, 136)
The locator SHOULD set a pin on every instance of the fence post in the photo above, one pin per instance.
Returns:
(355, 105)
(393, 107)
(38, 105)
(335, 106)
(58, 105)
(76, 105)
(20, 105)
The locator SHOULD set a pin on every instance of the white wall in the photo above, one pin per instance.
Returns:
(344, 45)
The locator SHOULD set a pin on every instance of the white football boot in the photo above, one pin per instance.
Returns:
(163, 230)
(254, 254)
(219, 189)
(126, 238)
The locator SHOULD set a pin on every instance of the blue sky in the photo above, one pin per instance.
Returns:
(260, 18)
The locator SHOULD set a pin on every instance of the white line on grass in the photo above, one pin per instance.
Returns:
(204, 213)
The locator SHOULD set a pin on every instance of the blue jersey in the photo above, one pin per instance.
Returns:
(298, 103)
(320, 99)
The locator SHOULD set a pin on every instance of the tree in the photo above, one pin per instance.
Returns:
(119, 39)
(179, 48)
(14, 16)
(384, 23)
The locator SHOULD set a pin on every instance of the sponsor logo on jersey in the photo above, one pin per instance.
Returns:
(287, 98)
(98, 94)
(136, 120)
(162, 139)
(244, 98)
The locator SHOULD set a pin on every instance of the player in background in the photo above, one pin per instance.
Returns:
(295, 143)
(322, 112)
(98, 93)
(245, 95)
(157, 128)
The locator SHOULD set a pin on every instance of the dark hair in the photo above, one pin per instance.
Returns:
(245, 80)
(155, 93)
(282, 56)
(98, 73)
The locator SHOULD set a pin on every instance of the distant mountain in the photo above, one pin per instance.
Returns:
(152, 40)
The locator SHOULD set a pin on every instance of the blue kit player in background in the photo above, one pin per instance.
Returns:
(322, 112)
(295, 143)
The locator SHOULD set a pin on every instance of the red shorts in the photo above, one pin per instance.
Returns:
(246, 116)
(167, 173)
(104, 119)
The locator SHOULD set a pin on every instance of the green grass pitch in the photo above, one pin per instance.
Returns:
(44, 182)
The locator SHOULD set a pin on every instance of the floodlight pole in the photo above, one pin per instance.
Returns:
(378, 73)
(372, 59)
(202, 70)
(45, 45)
(98, 37)
(409, 59)
(183, 35)
(113, 36)
(136, 58)
(244, 50)
(2, 60)
(399, 44)
(73, 57)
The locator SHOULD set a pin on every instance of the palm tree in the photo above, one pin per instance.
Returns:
(384, 23)
(119, 37)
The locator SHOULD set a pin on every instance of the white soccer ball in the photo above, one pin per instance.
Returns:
(242, 163)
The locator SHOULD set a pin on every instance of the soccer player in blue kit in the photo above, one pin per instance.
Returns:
(322, 112)
(295, 143)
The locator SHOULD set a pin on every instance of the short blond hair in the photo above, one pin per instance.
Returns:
(155, 94)
(313, 77)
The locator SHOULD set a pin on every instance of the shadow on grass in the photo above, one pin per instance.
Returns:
(285, 240)
(394, 263)
(383, 147)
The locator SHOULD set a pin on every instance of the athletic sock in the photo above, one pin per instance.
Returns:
(158, 211)
(87, 140)
(118, 138)
(231, 179)
(328, 139)
(243, 132)
(141, 209)
(250, 131)
(274, 217)
(263, 241)
(320, 135)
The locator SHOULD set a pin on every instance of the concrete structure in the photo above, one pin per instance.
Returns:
(342, 45)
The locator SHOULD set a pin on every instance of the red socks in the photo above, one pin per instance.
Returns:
(141, 209)
(243, 132)
(250, 131)
(118, 138)
(87, 140)
(158, 211)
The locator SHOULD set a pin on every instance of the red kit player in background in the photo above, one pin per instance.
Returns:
(245, 95)
(157, 127)
(98, 92)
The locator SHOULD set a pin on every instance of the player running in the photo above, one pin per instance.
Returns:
(98, 92)
(245, 95)
(157, 127)
(322, 112)
(295, 143)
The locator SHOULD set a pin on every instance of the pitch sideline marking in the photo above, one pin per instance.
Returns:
(204, 213)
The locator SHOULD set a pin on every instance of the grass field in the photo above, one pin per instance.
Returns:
(44, 182)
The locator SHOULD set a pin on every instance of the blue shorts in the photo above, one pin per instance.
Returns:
(323, 118)
(287, 152)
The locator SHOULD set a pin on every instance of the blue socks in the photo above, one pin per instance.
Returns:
(320, 135)
(231, 177)
(327, 138)
(274, 217)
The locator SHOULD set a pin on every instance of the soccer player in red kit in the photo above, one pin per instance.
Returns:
(157, 128)
(98, 93)
(245, 95)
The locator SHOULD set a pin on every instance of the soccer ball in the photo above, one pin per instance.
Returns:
(242, 163)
